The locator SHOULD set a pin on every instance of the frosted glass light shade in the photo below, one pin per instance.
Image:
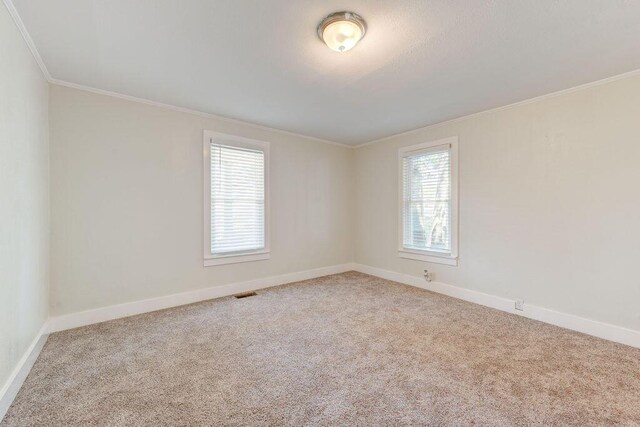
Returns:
(341, 31)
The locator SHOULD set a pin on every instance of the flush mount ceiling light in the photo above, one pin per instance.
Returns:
(341, 31)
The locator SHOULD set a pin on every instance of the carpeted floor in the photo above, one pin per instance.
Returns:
(347, 349)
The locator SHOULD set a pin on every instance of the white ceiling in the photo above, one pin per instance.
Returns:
(421, 62)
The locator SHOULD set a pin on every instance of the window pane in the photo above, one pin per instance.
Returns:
(237, 199)
(427, 201)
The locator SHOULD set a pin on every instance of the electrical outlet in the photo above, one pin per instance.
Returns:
(428, 275)
(520, 305)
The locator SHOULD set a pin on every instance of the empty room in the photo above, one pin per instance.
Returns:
(319, 212)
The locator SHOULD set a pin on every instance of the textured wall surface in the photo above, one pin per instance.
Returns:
(127, 202)
(24, 197)
(549, 202)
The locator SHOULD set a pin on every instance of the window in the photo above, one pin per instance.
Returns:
(236, 202)
(429, 202)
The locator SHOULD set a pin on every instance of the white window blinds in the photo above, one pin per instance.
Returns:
(237, 199)
(426, 207)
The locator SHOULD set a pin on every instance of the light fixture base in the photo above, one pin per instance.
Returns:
(343, 16)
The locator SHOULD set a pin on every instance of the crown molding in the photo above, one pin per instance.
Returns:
(192, 112)
(27, 38)
(36, 55)
(504, 107)
(45, 72)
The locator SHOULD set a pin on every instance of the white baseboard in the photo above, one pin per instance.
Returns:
(580, 324)
(83, 318)
(16, 379)
(587, 326)
(11, 387)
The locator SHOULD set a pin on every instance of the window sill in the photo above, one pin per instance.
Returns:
(429, 257)
(235, 259)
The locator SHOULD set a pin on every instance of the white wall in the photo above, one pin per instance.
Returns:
(127, 202)
(24, 198)
(549, 203)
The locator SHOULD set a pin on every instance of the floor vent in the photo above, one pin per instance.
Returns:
(245, 295)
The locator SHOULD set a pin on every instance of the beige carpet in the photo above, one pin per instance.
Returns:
(348, 349)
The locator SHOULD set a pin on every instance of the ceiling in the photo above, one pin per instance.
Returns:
(421, 61)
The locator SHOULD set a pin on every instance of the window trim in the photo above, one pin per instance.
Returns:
(431, 256)
(236, 141)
